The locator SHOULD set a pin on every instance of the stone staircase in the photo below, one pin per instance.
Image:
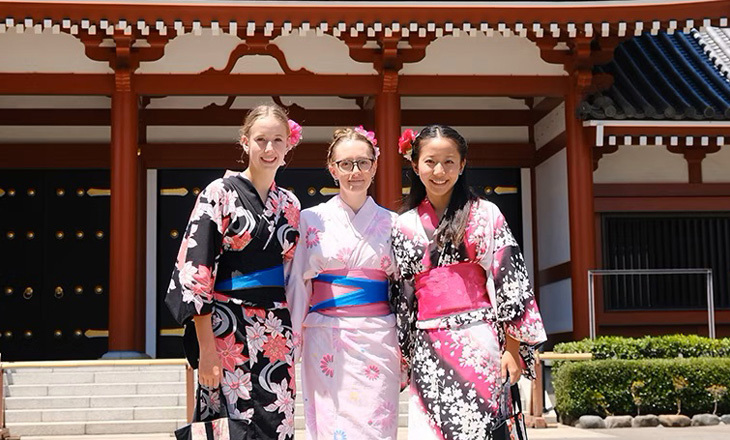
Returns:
(117, 399)
(95, 400)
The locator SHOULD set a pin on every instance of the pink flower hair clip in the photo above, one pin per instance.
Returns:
(295, 133)
(405, 143)
(370, 135)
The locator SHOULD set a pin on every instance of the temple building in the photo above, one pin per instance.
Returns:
(600, 128)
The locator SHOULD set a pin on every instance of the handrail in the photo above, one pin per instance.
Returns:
(189, 378)
(535, 418)
(553, 356)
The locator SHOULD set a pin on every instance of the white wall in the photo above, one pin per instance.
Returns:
(482, 55)
(642, 164)
(556, 306)
(550, 126)
(716, 166)
(553, 232)
(527, 239)
(46, 52)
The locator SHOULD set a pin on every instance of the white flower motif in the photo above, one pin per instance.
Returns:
(284, 401)
(236, 385)
(256, 336)
(273, 325)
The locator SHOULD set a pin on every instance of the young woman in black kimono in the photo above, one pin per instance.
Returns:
(227, 287)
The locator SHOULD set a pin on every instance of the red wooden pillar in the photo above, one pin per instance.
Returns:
(580, 207)
(388, 179)
(123, 227)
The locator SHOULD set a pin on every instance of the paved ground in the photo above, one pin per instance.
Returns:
(720, 432)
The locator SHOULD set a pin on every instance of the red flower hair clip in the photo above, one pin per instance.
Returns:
(295, 133)
(405, 143)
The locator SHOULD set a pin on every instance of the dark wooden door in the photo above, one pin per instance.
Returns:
(54, 264)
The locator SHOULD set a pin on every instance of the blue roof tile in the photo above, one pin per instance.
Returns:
(663, 77)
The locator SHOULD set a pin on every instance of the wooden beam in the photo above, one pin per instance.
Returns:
(220, 155)
(56, 83)
(256, 84)
(661, 190)
(664, 130)
(278, 84)
(224, 117)
(521, 155)
(482, 85)
(545, 106)
(664, 204)
(551, 148)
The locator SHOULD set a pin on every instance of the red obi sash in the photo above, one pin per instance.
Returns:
(452, 289)
(345, 292)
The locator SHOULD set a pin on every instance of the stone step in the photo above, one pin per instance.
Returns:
(72, 376)
(91, 428)
(95, 414)
(91, 389)
(59, 402)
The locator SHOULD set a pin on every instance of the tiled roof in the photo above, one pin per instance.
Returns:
(716, 44)
(661, 76)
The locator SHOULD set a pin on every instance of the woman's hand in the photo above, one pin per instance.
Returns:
(510, 365)
(209, 370)
(510, 360)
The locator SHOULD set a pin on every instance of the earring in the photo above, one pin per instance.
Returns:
(337, 182)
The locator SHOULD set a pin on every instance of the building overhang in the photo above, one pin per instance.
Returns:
(561, 20)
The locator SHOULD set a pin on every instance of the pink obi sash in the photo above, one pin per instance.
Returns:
(448, 290)
(343, 292)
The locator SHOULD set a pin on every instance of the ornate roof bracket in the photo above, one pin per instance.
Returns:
(124, 54)
(258, 45)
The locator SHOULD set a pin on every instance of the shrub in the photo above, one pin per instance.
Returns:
(602, 386)
(648, 347)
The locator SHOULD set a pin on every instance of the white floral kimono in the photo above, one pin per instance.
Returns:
(338, 297)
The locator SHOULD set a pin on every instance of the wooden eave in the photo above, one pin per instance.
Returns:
(599, 19)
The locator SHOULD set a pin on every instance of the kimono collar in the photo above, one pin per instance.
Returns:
(362, 219)
(427, 214)
(273, 189)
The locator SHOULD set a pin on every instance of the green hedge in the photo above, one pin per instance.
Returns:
(649, 347)
(603, 387)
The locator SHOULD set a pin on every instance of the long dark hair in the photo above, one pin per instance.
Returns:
(452, 226)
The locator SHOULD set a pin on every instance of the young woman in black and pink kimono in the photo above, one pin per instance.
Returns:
(227, 287)
(467, 316)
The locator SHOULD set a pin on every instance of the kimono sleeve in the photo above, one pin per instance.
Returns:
(404, 304)
(190, 291)
(299, 289)
(516, 308)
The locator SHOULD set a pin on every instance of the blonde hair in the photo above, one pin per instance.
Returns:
(347, 134)
(263, 111)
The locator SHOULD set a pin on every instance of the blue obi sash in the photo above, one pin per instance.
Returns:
(367, 291)
(271, 277)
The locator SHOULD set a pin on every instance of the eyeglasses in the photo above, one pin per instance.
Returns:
(348, 165)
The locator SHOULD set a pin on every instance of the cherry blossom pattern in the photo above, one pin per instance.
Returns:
(311, 238)
(326, 365)
(372, 372)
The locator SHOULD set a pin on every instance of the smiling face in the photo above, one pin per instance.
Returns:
(439, 165)
(356, 181)
(266, 144)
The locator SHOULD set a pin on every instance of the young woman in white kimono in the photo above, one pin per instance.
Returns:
(467, 317)
(338, 296)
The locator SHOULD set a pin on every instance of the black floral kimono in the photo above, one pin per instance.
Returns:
(232, 263)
